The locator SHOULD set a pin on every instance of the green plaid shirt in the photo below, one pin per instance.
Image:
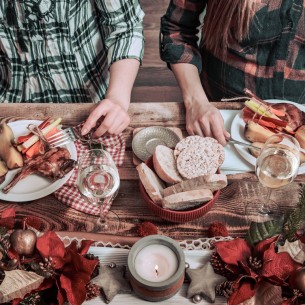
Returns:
(270, 62)
(71, 45)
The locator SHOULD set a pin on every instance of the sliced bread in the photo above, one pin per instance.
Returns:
(212, 182)
(165, 164)
(151, 182)
(186, 200)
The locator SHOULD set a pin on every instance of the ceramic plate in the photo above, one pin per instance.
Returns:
(32, 187)
(237, 133)
(146, 140)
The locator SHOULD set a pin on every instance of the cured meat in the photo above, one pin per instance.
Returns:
(54, 165)
(294, 116)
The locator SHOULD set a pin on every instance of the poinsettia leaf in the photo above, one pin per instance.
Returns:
(72, 246)
(262, 246)
(295, 249)
(244, 290)
(7, 218)
(16, 301)
(61, 293)
(265, 294)
(8, 213)
(75, 276)
(17, 283)
(33, 222)
(233, 251)
(50, 245)
(278, 266)
(84, 247)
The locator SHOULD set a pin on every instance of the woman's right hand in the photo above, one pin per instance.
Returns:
(203, 119)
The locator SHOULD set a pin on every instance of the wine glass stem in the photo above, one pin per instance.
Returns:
(265, 209)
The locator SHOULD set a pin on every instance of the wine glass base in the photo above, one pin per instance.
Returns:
(108, 224)
(259, 212)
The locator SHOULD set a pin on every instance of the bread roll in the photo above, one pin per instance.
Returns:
(151, 182)
(186, 200)
(165, 164)
(212, 182)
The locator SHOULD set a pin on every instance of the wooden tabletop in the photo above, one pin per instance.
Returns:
(129, 206)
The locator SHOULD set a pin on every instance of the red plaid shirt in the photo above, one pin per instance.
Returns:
(270, 62)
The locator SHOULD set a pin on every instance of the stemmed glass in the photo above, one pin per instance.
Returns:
(98, 181)
(276, 166)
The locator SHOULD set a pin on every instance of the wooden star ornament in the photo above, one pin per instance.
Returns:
(111, 280)
(203, 282)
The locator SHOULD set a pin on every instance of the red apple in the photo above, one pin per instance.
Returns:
(23, 241)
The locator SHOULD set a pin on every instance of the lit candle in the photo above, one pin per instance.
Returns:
(157, 266)
(156, 263)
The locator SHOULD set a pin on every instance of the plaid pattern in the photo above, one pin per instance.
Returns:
(270, 62)
(70, 48)
(69, 194)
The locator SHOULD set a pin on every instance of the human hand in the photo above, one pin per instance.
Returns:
(116, 119)
(203, 119)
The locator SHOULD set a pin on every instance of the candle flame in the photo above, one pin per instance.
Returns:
(156, 269)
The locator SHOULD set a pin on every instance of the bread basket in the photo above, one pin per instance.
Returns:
(176, 216)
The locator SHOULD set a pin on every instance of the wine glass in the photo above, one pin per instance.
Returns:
(276, 166)
(98, 181)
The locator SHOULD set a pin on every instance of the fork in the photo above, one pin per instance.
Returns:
(62, 137)
(242, 143)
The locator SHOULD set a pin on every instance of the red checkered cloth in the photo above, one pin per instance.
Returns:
(69, 194)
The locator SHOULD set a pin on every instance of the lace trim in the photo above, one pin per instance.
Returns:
(196, 244)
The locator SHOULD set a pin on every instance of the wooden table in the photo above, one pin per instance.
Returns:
(129, 205)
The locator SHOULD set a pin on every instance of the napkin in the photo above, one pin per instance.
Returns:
(69, 194)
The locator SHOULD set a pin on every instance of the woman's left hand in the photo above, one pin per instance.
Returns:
(116, 119)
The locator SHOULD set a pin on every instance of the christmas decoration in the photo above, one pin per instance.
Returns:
(23, 241)
(147, 228)
(92, 291)
(111, 280)
(203, 282)
(217, 229)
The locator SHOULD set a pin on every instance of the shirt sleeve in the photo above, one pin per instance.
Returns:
(179, 29)
(122, 24)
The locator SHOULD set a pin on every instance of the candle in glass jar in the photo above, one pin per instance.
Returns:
(156, 263)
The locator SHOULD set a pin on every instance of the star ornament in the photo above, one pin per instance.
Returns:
(111, 280)
(203, 282)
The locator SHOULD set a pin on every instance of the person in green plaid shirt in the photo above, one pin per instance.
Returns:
(254, 44)
(76, 51)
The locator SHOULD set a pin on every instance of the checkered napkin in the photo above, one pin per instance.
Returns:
(69, 194)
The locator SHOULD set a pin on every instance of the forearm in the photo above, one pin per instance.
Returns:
(122, 76)
(189, 83)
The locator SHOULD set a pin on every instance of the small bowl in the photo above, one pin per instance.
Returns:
(176, 216)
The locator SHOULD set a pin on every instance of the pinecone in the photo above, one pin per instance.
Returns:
(255, 263)
(225, 289)
(2, 276)
(96, 270)
(4, 243)
(92, 291)
(32, 299)
(220, 267)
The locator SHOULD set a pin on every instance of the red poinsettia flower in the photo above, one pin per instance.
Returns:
(74, 270)
(253, 265)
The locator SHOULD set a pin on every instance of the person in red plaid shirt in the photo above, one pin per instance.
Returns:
(254, 44)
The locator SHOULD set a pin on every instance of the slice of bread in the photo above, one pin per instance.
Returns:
(212, 182)
(151, 182)
(165, 164)
(186, 200)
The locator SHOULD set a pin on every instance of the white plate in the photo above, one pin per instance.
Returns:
(237, 133)
(32, 187)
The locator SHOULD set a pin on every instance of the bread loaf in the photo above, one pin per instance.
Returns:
(151, 182)
(186, 200)
(212, 182)
(165, 164)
